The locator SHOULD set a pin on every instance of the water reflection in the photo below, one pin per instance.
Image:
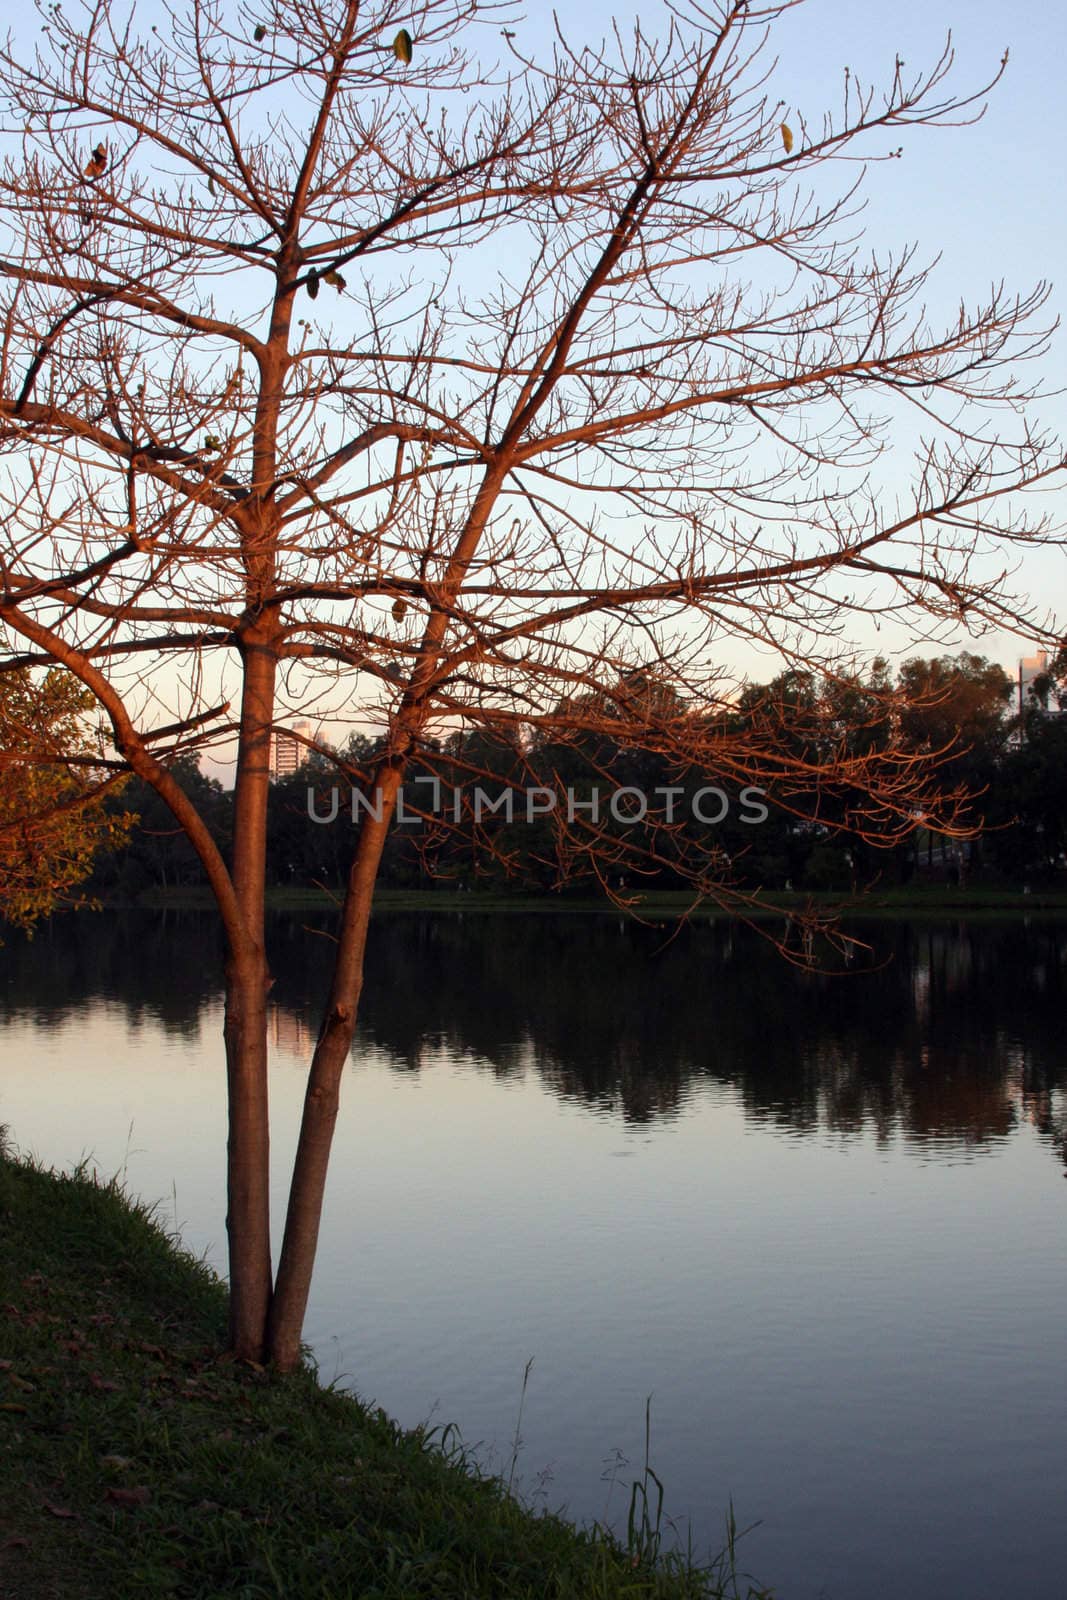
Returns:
(952, 1041)
(852, 1327)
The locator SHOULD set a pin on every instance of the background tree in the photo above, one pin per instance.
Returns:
(157, 853)
(54, 785)
(1048, 692)
(465, 388)
(1030, 794)
(957, 709)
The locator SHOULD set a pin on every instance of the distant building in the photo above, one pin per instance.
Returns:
(289, 1032)
(1030, 668)
(290, 752)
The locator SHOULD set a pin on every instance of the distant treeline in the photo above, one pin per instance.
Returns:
(1014, 765)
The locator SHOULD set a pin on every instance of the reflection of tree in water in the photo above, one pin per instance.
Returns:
(956, 1037)
(576, 997)
(1047, 1111)
(952, 1039)
(161, 967)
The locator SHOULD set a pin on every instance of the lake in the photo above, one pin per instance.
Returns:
(820, 1221)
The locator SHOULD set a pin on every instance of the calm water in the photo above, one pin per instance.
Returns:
(820, 1222)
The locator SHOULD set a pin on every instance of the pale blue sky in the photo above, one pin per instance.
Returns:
(989, 198)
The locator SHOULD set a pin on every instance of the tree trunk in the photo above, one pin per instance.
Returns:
(248, 1154)
(322, 1097)
(247, 984)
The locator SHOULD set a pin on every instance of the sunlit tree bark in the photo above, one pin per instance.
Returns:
(460, 389)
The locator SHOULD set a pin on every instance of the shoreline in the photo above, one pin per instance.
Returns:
(934, 901)
(143, 1460)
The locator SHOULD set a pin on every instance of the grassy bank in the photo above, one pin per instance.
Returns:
(138, 1461)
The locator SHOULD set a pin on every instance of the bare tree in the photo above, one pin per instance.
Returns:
(465, 386)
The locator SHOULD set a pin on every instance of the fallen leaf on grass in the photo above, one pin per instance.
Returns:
(103, 1384)
(118, 1463)
(17, 1543)
(129, 1497)
(60, 1511)
(9, 1405)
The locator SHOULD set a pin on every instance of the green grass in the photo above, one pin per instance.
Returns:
(926, 900)
(138, 1460)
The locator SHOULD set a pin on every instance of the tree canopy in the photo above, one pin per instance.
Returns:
(54, 818)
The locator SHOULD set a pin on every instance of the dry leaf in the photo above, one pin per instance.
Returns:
(60, 1511)
(129, 1497)
(96, 164)
(787, 138)
(402, 46)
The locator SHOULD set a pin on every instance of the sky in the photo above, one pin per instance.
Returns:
(990, 200)
(987, 199)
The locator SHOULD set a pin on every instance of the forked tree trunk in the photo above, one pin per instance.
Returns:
(322, 1097)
